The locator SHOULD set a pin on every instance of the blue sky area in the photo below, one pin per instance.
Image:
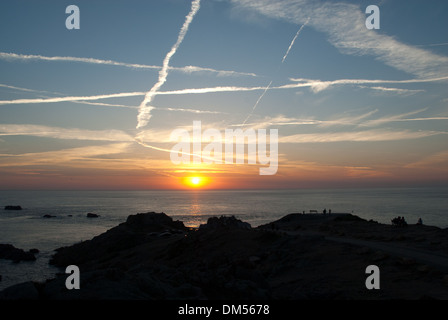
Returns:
(353, 106)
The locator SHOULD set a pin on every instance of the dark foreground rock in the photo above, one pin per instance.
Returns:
(13, 208)
(92, 215)
(9, 252)
(222, 222)
(150, 256)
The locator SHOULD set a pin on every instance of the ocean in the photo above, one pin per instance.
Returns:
(27, 229)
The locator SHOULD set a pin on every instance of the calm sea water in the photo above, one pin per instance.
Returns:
(27, 229)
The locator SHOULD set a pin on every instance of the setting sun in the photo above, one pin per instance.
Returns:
(195, 181)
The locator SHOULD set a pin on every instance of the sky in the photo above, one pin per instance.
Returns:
(96, 107)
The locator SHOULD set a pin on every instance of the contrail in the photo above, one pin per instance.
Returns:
(140, 142)
(186, 69)
(72, 98)
(283, 60)
(145, 110)
(294, 39)
(316, 85)
(256, 103)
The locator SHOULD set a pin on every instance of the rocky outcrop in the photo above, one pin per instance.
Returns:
(135, 231)
(13, 208)
(92, 215)
(9, 252)
(222, 222)
(22, 291)
(150, 256)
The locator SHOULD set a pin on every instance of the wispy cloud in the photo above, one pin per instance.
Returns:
(144, 114)
(394, 90)
(358, 136)
(439, 159)
(361, 120)
(25, 89)
(320, 85)
(404, 117)
(72, 98)
(63, 133)
(9, 56)
(344, 23)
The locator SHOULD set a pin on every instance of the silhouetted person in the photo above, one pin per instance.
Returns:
(419, 222)
(325, 211)
(329, 211)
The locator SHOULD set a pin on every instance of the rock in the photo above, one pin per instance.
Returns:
(9, 252)
(130, 234)
(363, 250)
(152, 221)
(423, 269)
(445, 280)
(406, 261)
(13, 208)
(254, 259)
(21, 291)
(222, 222)
(48, 216)
(379, 256)
(34, 251)
(92, 215)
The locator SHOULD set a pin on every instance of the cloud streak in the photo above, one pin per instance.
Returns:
(315, 85)
(294, 39)
(63, 133)
(320, 85)
(344, 24)
(144, 114)
(9, 56)
(359, 136)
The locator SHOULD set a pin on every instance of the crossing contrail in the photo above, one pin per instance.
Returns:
(145, 109)
(294, 39)
(283, 60)
(256, 103)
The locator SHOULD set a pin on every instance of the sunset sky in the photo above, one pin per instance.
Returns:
(93, 108)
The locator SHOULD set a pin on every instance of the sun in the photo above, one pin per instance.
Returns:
(195, 181)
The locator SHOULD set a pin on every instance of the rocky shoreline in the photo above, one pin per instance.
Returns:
(298, 257)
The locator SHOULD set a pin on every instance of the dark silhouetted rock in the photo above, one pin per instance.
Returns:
(224, 223)
(92, 215)
(153, 221)
(9, 252)
(21, 291)
(13, 208)
(132, 233)
(150, 256)
(48, 216)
